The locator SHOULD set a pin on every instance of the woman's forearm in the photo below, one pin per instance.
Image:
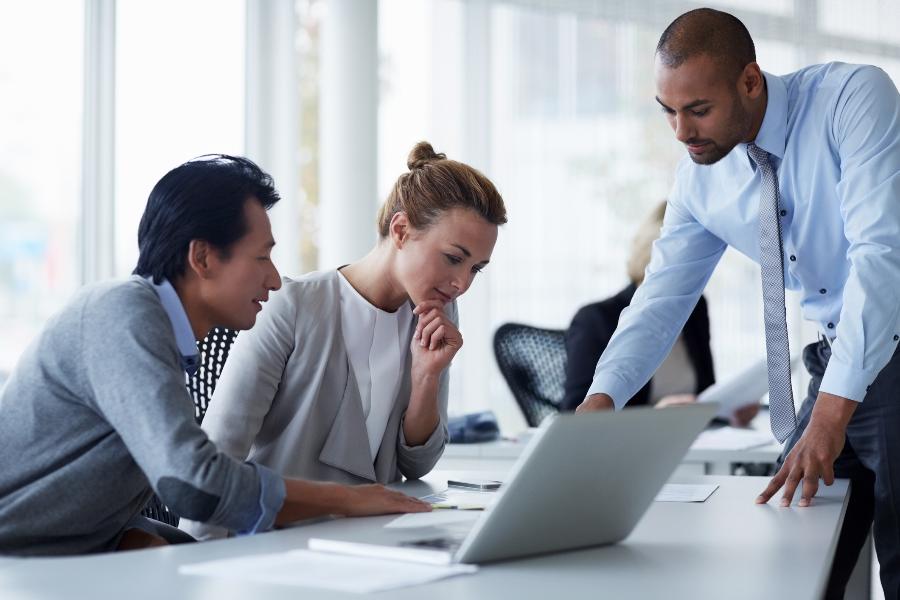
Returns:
(422, 415)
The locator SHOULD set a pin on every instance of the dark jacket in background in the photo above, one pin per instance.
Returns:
(590, 332)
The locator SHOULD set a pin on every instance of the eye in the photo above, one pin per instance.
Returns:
(452, 259)
(477, 269)
(700, 113)
(666, 110)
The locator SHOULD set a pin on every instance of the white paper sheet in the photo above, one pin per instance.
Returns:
(461, 499)
(732, 438)
(305, 568)
(435, 518)
(685, 492)
(747, 387)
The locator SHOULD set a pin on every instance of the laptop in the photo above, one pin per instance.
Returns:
(583, 480)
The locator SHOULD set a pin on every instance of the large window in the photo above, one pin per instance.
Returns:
(40, 162)
(179, 94)
(579, 149)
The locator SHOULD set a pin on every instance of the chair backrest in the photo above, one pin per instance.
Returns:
(213, 352)
(533, 362)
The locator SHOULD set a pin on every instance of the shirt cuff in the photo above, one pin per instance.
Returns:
(271, 498)
(845, 380)
(613, 387)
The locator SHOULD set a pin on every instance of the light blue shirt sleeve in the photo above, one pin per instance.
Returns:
(272, 493)
(682, 261)
(867, 135)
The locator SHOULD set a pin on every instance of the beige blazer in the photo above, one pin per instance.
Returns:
(287, 398)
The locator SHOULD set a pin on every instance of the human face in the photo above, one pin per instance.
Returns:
(240, 281)
(441, 261)
(704, 108)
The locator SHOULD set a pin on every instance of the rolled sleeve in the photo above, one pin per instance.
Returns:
(271, 498)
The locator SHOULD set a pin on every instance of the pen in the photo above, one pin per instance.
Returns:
(456, 507)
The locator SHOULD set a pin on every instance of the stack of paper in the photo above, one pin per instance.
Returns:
(328, 571)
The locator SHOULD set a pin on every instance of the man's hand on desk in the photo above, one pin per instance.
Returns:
(308, 499)
(596, 402)
(812, 458)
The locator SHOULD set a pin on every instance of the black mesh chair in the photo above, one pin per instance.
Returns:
(214, 351)
(533, 362)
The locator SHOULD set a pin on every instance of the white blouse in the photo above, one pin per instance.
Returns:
(675, 375)
(377, 342)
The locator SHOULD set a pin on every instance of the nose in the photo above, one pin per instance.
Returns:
(683, 130)
(461, 284)
(273, 278)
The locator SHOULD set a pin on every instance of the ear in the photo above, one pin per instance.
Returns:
(399, 229)
(201, 258)
(752, 82)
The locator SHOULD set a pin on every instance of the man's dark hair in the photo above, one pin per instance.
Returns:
(203, 199)
(719, 35)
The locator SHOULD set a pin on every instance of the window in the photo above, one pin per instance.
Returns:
(179, 94)
(40, 162)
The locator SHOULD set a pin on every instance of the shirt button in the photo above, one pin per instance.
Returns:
(823, 290)
(793, 258)
(783, 213)
(896, 337)
(831, 326)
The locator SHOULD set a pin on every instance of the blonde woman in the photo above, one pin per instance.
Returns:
(686, 371)
(344, 378)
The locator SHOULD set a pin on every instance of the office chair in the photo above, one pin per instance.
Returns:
(214, 351)
(533, 362)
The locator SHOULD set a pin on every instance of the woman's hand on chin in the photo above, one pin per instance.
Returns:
(436, 339)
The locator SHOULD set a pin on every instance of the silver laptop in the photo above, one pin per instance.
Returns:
(583, 480)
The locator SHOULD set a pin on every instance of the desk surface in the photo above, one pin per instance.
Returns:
(725, 547)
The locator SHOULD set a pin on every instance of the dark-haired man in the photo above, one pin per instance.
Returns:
(801, 173)
(96, 416)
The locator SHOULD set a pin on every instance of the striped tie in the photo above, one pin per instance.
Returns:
(771, 263)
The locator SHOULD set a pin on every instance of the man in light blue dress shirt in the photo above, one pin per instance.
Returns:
(832, 134)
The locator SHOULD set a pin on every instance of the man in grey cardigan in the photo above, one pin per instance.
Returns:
(96, 416)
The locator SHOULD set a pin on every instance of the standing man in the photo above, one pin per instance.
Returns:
(96, 416)
(801, 173)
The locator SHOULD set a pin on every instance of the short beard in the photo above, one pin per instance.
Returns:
(740, 120)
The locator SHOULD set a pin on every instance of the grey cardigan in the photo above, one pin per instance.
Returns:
(287, 398)
(94, 415)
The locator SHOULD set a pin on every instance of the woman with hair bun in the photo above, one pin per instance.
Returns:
(345, 376)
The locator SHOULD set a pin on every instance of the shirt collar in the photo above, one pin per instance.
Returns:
(773, 130)
(184, 334)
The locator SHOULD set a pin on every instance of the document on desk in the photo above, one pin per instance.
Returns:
(732, 438)
(685, 492)
(306, 568)
(435, 518)
(461, 499)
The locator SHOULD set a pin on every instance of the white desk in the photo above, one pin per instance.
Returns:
(726, 547)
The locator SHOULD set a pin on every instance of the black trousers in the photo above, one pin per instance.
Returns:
(871, 461)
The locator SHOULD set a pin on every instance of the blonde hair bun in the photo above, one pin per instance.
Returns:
(422, 154)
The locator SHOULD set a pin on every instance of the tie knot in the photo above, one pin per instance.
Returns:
(758, 155)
